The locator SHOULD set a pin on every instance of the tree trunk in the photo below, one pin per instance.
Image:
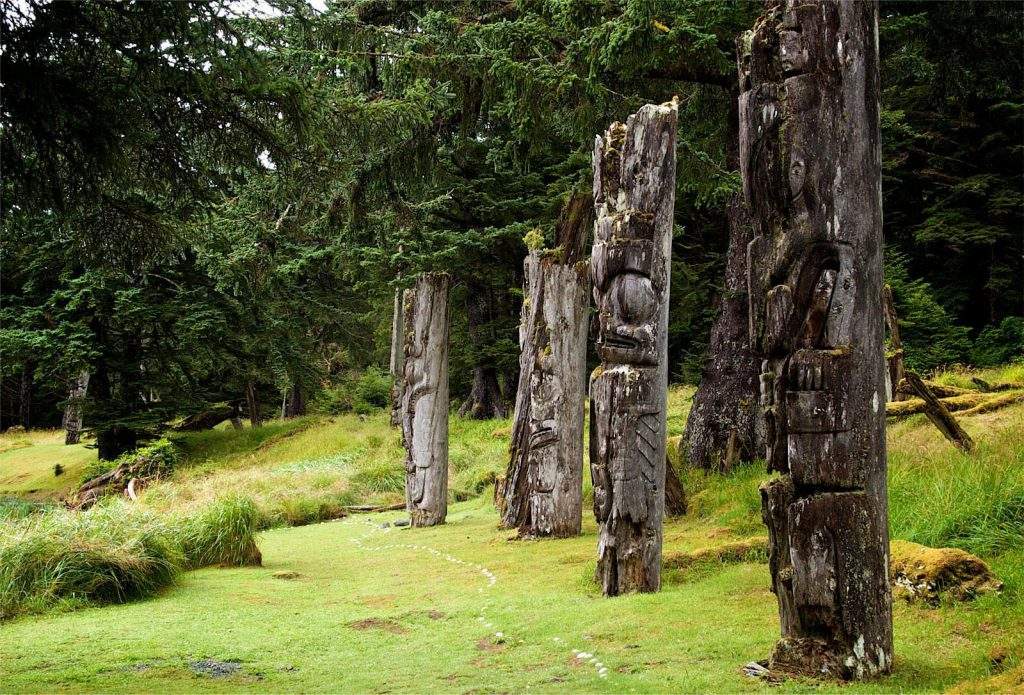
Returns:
(397, 360)
(294, 402)
(485, 400)
(116, 441)
(724, 425)
(206, 419)
(236, 415)
(544, 482)
(940, 415)
(675, 493)
(634, 196)
(810, 159)
(253, 405)
(894, 355)
(73, 409)
(26, 391)
(425, 400)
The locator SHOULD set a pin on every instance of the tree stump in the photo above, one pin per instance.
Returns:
(810, 160)
(544, 483)
(634, 196)
(396, 364)
(73, 409)
(425, 400)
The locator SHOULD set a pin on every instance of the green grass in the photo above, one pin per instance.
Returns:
(27, 461)
(403, 619)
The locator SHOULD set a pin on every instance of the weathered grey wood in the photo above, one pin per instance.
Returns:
(73, 409)
(939, 414)
(810, 160)
(397, 363)
(894, 355)
(675, 493)
(544, 482)
(253, 405)
(634, 197)
(425, 400)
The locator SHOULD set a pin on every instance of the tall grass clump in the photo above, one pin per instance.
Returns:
(109, 554)
(971, 501)
(222, 533)
(117, 552)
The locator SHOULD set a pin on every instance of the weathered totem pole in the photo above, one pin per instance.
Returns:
(634, 196)
(810, 160)
(425, 400)
(544, 484)
(73, 409)
(397, 359)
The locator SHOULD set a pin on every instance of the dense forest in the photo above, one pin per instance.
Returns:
(212, 204)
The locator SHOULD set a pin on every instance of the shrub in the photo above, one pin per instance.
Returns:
(373, 390)
(997, 345)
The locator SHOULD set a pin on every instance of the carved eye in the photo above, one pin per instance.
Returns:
(636, 297)
(797, 170)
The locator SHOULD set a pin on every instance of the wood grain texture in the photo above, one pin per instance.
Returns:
(634, 197)
(425, 400)
(810, 160)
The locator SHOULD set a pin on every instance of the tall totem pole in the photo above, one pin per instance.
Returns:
(634, 196)
(810, 158)
(425, 400)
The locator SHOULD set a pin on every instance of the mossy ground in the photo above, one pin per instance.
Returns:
(342, 616)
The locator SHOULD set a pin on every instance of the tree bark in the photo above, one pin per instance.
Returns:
(236, 415)
(26, 391)
(253, 405)
(485, 400)
(894, 355)
(724, 425)
(675, 493)
(294, 402)
(425, 400)
(544, 483)
(810, 160)
(73, 409)
(634, 196)
(940, 415)
(396, 364)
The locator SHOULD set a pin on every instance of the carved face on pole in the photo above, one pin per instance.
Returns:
(633, 195)
(810, 162)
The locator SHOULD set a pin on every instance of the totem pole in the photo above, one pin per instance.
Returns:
(634, 195)
(544, 485)
(810, 160)
(425, 400)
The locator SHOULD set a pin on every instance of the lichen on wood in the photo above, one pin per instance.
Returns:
(634, 197)
(810, 160)
(425, 399)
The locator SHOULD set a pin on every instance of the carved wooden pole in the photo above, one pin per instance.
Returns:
(894, 357)
(544, 484)
(634, 196)
(425, 400)
(396, 365)
(73, 409)
(811, 166)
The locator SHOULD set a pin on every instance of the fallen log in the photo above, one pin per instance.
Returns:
(206, 419)
(372, 508)
(940, 390)
(940, 415)
(914, 406)
(995, 403)
(992, 388)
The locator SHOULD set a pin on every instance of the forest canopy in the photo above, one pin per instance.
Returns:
(213, 202)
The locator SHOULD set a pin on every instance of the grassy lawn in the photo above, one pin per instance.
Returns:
(387, 614)
(27, 461)
(350, 606)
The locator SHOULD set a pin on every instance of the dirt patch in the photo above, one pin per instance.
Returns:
(382, 624)
(288, 575)
(436, 615)
(214, 669)
(486, 645)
